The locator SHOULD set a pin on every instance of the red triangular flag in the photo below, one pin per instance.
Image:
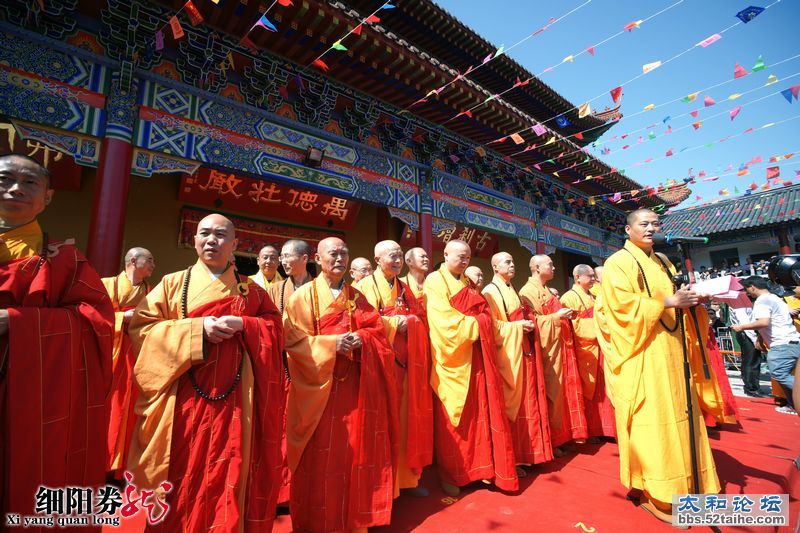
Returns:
(590, 50)
(357, 30)
(285, 3)
(616, 94)
(321, 65)
(191, 11)
(175, 24)
(374, 19)
(694, 113)
(739, 71)
(579, 135)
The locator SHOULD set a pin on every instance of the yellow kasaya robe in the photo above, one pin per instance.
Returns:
(452, 335)
(564, 392)
(225, 454)
(280, 292)
(120, 400)
(20, 242)
(416, 288)
(794, 303)
(381, 295)
(644, 373)
(587, 351)
(596, 289)
(503, 300)
(265, 283)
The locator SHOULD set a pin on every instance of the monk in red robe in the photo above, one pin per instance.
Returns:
(519, 359)
(563, 382)
(404, 320)
(56, 328)
(599, 410)
(210, 406)
(126, 291)
(342, 427)
(472, 434)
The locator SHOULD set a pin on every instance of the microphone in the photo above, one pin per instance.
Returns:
(669, 239)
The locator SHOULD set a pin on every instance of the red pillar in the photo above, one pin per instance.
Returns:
(104, 249)
(783, 242)
(540, 250)
(426, 233)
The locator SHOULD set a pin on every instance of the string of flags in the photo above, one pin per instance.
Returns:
(562, 122)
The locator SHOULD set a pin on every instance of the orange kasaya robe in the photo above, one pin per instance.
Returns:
(714, 392)
(519, 360)
(122, 398)
(641, 342)
(279, 293)
(412, 373)
(221, 455)
(472, 433)
(265, 283)
(415, 287)
(599, 410)
(563, 382)
(55, 369)
(342, 427)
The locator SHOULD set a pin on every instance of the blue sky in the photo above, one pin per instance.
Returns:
(773, 34)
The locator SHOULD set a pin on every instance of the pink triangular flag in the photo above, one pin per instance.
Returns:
(708, 101)
(590, 50)
(795, 90)
(735, 111)
(739, 71)
(694, 113)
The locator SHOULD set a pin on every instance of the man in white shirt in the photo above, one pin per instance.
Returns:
(771, 317)
(751, 356)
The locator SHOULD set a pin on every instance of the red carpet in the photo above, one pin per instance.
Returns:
(584, 488)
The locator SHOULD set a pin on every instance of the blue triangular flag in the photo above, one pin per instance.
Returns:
(562, 121)
(387, 5)
(788, 95)
(264, 21)
(749, 13)
(665, 119)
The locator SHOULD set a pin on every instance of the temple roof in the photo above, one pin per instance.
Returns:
(410, 52)
(761, 210)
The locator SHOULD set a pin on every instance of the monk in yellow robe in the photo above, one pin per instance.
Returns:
(360, 268)
(126, 291)
(472, 433)
(598, 280)
(597, 405)
(418, 265)
(267, 261)
(641, 342)
(404, 320)
(342, 428)
(519, 361)
(564, 393)
(210, 400)
(295, 254)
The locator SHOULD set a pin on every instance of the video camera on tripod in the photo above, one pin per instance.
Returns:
(784, 270)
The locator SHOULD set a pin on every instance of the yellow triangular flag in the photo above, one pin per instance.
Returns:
(691, 97)
(568, 58)
(768, 125)
(734, 96)
(551, 140)
(648, 107)
(584, 110)
(772, 79)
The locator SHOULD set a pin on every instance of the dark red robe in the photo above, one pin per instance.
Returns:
(481, 446)
(56, 372)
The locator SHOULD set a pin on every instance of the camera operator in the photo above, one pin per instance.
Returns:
(771, 317)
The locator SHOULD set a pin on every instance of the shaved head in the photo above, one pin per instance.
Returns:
(475, 275)
(215, 242)
(499, 257)
(329, 242)
(360, 268)
(332, 256)
(583, 276)
(503, 266)
(135, 252)
(598, 273)
(542, 267)
(457, 254)
(389, 258)
(139, 264)
(417, 261)
(582, 270)
(634, 215)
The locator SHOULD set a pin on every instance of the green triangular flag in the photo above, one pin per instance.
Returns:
(652, 135)
(338, 46)
(500, 50)
(622, 171)
(759, 65)
(736, 190)
(709, 145)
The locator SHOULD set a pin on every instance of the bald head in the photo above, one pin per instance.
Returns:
(26, 190)
(642, 225)
(215, 242)
(542, 267)
(583, 276)
(634, 215)
(457, 255)
(360, 268)
(418, 261)
(389, 258)
(294, 257)
(267, 260)
(332, 256)
(139, 264)
(503, 266)
(475, 275)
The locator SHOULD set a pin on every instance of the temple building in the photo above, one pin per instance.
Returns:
(346, 121)
(742, 230)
